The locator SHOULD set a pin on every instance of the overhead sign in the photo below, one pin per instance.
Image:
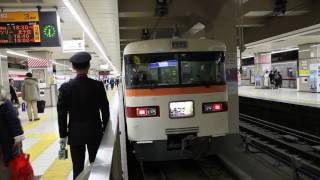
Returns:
(19, 29)
(73, 46)
(19, 16)
(28, 29)
(50, 32)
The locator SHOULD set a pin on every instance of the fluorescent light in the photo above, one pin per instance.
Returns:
(88, 31)
(244, 57)
(18, 54)
(317, 45)
(26, 56)
(306, 50)
(197, 27)
(104, 67)
(3, 56)
(286, 50)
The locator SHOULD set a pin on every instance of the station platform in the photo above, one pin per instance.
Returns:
(42, 143)
(284, 95)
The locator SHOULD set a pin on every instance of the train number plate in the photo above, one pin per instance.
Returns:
(181, 109)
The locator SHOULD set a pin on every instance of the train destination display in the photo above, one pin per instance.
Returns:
(20, 29)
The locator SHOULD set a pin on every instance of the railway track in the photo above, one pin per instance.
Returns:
(209, 169)
(299, 150)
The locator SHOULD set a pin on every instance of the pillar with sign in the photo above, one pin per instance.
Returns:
(42, 69)
(262, 64)
(309, 66)
(223, 28)
(4, 81)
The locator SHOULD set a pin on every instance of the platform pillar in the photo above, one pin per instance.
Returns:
(4, 75)
(262, 63)
(309, 65)
(222, 28)
(44, 74)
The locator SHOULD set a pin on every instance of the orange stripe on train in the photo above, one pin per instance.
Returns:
(175, 91)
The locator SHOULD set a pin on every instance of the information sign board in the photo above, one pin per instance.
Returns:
(19, 29)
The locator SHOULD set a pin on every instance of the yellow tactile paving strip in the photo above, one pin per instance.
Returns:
(59, 169)
(33, 124)
(38, 148)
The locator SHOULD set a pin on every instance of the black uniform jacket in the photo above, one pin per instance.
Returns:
(10, 127)
(82, 99)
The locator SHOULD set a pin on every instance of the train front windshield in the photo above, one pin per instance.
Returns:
(174, 69)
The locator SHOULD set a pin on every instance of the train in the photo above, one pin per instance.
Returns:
(175, 97)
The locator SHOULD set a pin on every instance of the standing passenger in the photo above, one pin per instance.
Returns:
(13, 93)
(30, 93)
(276, 78)
(280, 79)
(82, 99)
(11, 133)
(117, 82)
(112, 83)
(271, 77)
(266, 79)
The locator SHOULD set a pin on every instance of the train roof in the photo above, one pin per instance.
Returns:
(173, 45)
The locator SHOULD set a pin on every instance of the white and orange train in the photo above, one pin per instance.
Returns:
(175, 96)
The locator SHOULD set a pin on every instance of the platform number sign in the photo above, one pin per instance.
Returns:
(49, 31)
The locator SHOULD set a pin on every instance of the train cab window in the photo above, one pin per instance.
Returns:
(202, 68)
(174, 69)
(151, 70)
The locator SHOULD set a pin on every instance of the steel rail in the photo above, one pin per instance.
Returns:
(265, 139)
(299, 134)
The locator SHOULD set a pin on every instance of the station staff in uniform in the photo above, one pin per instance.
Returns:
(82, 99)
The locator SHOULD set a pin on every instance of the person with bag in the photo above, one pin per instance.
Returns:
(85, 101)
(31, 94)
(11, 132)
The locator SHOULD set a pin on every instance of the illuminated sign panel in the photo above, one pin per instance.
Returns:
(181, 109)
(28, 29)
(19, 17)
(19, 29)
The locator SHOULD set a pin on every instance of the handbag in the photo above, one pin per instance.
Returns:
(41, 105)
(20, 167)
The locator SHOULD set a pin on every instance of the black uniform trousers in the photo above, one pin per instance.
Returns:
(78, 154)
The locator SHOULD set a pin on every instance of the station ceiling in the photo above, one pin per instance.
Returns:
(258, 20)
(118, 23)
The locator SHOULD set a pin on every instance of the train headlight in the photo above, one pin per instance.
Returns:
(214, 107)
(135, 112)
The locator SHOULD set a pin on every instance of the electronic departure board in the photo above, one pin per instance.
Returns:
(20, 29)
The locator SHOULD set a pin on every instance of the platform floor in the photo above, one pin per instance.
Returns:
(42, 143)
(291, 96)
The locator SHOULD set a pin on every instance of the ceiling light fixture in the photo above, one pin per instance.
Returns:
(18, 54)
(3, 56)
(317, 45)
(86, 26)
(30, 57)
(246, 57)
(306, 50)
(286, 50)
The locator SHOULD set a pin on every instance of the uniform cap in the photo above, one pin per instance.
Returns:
(80, 58)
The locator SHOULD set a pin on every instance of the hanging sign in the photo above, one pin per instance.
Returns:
(28, 29)
(19, 29)
(73, 46)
